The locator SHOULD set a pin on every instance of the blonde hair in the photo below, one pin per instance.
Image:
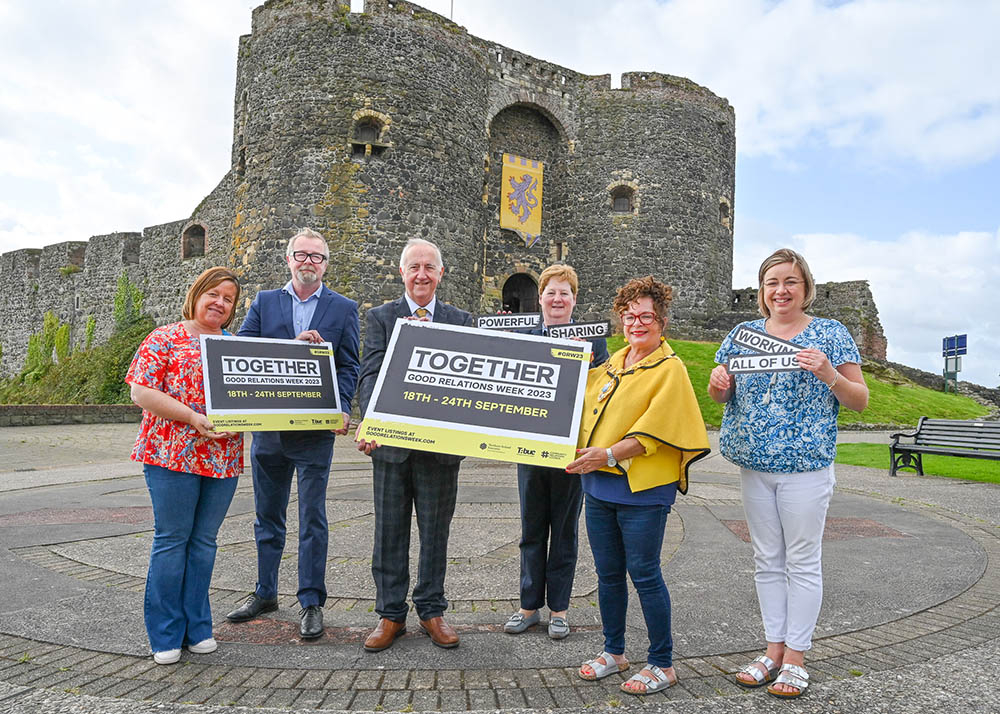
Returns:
(785, 255)
(559, 272)
(210, 278)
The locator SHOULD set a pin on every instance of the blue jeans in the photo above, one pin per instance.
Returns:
(628, 539)
(187, 511)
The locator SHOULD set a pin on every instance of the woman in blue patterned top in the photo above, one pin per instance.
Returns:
(780, 428)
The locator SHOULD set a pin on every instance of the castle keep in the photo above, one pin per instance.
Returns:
(379, 126)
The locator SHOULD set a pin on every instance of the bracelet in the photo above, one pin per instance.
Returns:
(834, 382)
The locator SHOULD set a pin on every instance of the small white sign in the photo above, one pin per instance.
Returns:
(514, 321)
(583, 330)
(763, 363)
(763, 343)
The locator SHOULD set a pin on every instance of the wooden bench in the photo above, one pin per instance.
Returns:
(968, 439)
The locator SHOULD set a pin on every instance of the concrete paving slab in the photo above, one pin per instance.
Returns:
(911, 573)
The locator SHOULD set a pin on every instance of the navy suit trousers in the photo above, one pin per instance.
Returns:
(423, 484)
(550, 515)
(275, 456)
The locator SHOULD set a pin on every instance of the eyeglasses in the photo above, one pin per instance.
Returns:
(645, 318)
(300, 256)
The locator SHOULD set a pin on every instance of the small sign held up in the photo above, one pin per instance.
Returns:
(583, 330)
(773, 353)
(763, 363)
(515, 321)
(763, 343)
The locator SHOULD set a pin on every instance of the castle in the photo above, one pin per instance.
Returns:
(379, 126)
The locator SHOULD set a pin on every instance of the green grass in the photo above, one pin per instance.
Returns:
(876, 456)
(892, 400)
(905, 403)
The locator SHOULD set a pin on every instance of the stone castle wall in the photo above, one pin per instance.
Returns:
(379, 126)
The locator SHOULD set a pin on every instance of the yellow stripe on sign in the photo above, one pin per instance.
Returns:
(570, 354)
(321, 351)
(464, 443)
(276, 422)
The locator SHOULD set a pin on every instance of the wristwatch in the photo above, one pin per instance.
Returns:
(612, 461)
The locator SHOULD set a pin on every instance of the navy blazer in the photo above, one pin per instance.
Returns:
(335, 319)
(379, 324)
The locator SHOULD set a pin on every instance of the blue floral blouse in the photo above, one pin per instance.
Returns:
(785, 422)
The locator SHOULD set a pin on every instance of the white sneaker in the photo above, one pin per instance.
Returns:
(166, 656)
(204, 647)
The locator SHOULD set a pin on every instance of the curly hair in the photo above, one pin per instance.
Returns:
(660, 293)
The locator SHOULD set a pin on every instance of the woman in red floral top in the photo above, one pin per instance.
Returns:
(191, 470)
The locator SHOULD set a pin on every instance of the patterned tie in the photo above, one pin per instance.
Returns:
(421, 312)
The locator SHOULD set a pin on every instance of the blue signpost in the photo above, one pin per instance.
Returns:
(952, 349)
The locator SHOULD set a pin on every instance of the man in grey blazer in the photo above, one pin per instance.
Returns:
(405, 479)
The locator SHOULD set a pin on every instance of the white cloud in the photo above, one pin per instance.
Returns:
(121, 119)
(926, 287)
(899, 79)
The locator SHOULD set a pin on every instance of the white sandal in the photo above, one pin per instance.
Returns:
(657, 683)
(602, 670)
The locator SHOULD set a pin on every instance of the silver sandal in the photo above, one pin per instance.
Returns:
(760, 678)
(657, 683)
(603, 670)
(793, 676)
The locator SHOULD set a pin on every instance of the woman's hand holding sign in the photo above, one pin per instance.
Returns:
(816, 362)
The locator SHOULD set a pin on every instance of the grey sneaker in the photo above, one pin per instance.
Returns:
(558, 628)
(518, 623)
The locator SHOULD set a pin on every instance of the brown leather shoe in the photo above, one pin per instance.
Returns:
(384, 635)
(441, 633)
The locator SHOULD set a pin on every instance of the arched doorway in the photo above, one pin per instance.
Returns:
(520, 293)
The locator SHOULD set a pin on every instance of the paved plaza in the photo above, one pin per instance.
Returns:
(909, 623)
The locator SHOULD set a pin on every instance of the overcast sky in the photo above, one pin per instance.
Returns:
(868, 132)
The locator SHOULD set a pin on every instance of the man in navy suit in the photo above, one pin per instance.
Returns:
(405, 479)
(306, 310)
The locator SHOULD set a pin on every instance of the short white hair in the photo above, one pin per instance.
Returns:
(306, 233)
(413, 243)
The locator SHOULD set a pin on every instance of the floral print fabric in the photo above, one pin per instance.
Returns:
(169, 360)
(785, 422)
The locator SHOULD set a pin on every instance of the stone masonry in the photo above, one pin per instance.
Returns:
(379, 126)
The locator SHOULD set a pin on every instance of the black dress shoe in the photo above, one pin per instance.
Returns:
(312, 622)
(252, 608)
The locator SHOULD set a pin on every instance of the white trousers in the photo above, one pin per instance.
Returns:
(786, 514)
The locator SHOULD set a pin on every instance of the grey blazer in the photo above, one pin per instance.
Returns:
(379, 324)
